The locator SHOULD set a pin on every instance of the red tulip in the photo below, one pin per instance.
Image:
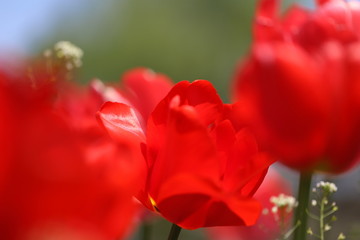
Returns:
(267, 227)
(59, 178)
(300, 92)
(202, 170)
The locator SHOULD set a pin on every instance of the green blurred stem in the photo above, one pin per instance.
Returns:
(146, 230)
(303, 198)
(174, 232)
(322, 227)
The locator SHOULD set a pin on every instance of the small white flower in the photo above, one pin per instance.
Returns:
(327, 186)
(71, 53)
(274, 209)
(313, 202)
(284, 202)
(341, 237)
(327, 227)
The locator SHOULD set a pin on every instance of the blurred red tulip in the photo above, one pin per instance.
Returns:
(299, 87)
(61, 176)
(141, 89)
(202, 171)
(267, 227)
(337, 20)
(145, 88)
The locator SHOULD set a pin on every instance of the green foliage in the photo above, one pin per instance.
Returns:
(186, 39)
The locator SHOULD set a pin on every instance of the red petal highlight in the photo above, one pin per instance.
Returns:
(120, 122)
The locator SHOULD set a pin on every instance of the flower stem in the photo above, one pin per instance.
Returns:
(303, 198)
(146, 230)
(322, 228)
(174, 232)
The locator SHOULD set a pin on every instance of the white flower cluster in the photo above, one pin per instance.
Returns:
(283, 202)
(327, 186)
(71, 53)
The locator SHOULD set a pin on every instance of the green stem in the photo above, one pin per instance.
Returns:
(322, 228)
(146, 230)
(174, 232)
(282, 224)
(303, 198)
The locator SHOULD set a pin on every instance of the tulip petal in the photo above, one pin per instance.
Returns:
(188, 148)
(294, 19)
(120, 121)
(200, 94)
(267, 8)
(266, 20)
(203, 96)
(246, 167)
(198, 202)
(145, 89)
(156, 125)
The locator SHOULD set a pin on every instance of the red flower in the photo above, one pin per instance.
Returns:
(202, 171)
(59, 179)
(299, 87)
(267, 227)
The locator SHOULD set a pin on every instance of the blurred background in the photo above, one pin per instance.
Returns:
(187, 40)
